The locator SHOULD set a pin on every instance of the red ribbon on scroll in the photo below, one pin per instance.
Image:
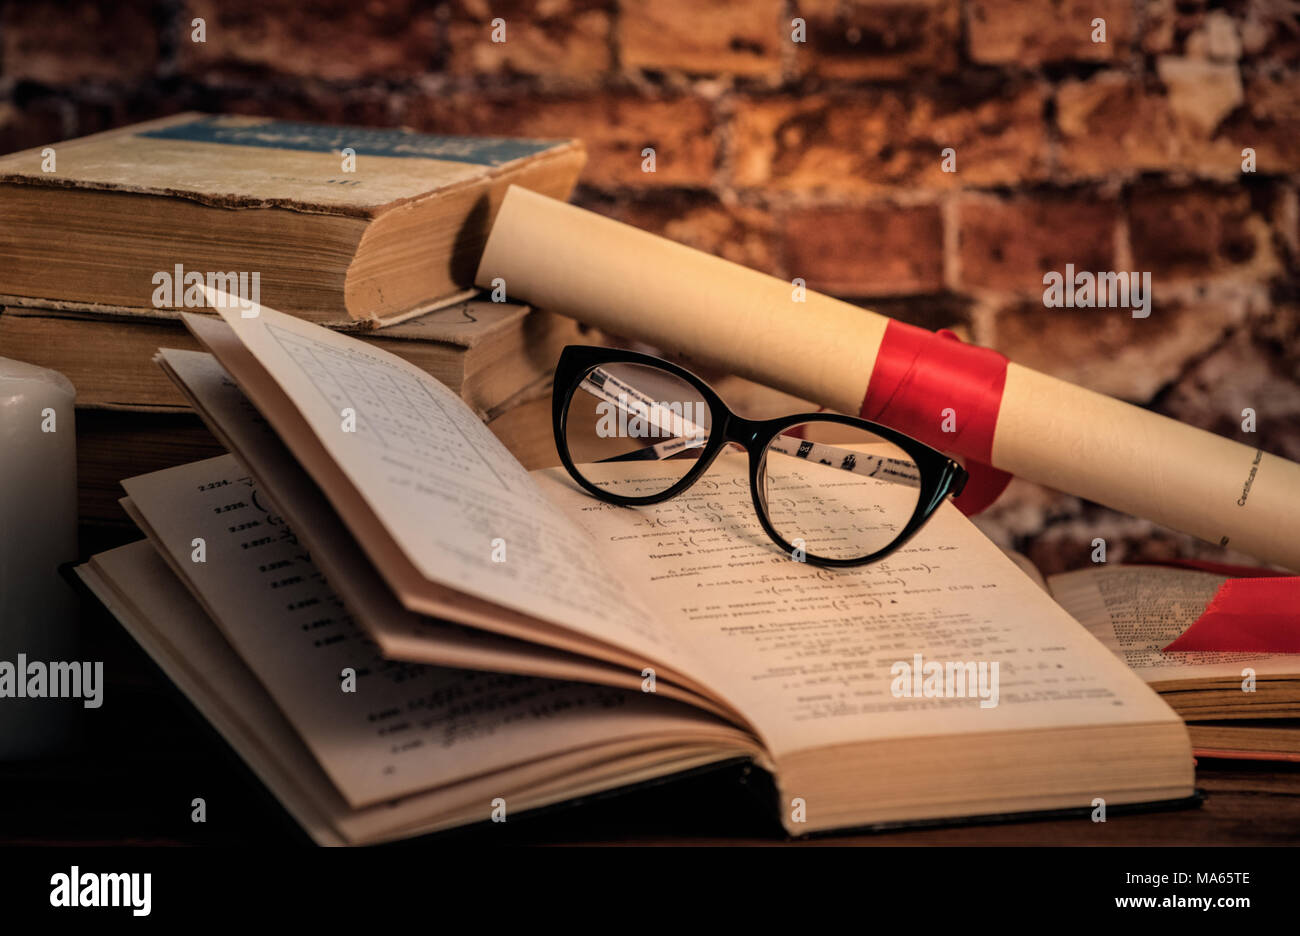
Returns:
(919, 375)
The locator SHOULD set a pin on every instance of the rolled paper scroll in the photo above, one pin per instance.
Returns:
(633, 283)
(681, 433)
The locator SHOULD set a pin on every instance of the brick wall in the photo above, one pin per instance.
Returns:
(822, 159)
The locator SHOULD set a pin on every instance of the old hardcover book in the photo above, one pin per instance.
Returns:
(488, 352)
(626, 643)
(333, 224)
(115, 444)
(1236, 704)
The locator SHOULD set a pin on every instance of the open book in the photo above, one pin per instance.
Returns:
(1236, 704)
(514, 642)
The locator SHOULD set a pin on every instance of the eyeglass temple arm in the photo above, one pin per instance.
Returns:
(688, 435)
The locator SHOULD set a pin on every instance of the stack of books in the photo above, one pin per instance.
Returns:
(376, 232)
(1240, 705)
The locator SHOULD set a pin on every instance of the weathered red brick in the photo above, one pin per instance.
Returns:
(1269, 123)
(1011, 32)
(1279, 333)
(61, 43)
(1283, 211)
(563, 37)
(932, 311)
(1217, 38)
(1268, 31)
(1113, 124)
(363, 107)
(740, 233)
(1194, 233)
(873, 140)
(1009, 244)
(741, 37)
(1109, 350)
(1167, 24)
(871, 39)
(330, 39)
(1259, 31)
(1244, 372)
(1200, 93)
(48, 116)
(616, 127)
(874, 250)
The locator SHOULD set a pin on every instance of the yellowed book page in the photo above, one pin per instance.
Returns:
(138, 589)
(446, 490)
(400, 634)
(1136, 610)
(380, 729)
(806, 653)
(416, 592)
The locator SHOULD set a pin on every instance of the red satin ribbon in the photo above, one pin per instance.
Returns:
(1260, 615)
(919, 374)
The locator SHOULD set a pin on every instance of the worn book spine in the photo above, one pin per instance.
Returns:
(633, 283)
(488, 352)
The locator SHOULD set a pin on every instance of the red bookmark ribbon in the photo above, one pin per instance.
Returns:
(1257, 615)
(919, 376)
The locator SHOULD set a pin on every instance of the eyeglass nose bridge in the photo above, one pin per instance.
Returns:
(749, 434)
(742, 431)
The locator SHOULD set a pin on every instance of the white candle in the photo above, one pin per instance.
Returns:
(38, 532)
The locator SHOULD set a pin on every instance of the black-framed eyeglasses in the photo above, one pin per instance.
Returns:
(834, 490)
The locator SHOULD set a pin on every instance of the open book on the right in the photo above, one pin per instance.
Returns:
(1238, 705)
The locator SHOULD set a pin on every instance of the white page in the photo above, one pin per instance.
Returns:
(407, 727)
(442, 485)
(401, 634)
(1137, 610)
(805, 652)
